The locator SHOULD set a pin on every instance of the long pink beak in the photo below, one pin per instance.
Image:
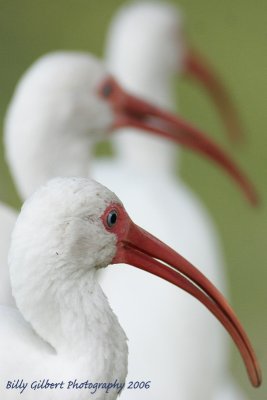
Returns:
(138, 248)
(131, 111)
(197, 68)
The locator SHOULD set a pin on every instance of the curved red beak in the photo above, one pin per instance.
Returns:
(131, 111)
(197, 68)
(137, 247)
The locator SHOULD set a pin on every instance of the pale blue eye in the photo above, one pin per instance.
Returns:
(112, 218)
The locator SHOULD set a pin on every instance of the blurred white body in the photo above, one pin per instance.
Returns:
(7, 221)
(155, 314)
(143, 54)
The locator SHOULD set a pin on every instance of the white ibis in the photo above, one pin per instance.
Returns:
(66, 102)
(62, 105)
(146, 48)
(64, 329)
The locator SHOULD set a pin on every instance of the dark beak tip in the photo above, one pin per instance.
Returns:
(255, 199)
(258, 378)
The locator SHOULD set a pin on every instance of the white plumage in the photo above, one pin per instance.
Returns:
(7, 221)
(68, 329)
(56, 115)
(46, 130)
(64, 329)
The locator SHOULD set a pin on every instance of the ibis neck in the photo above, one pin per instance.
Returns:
(96, 327)
(74, 317)
(145, 154)
(140, 149)
(43, 152)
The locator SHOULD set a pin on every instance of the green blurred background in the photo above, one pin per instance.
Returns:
(233, 35)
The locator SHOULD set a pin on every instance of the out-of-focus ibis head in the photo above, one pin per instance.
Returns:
(147, 47)
(59, 92)
(68, 100)
(148, 31)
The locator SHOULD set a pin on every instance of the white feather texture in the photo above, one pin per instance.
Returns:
(66, 328)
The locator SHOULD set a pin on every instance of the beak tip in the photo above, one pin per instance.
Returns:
(258, 378)
(255, 200)
(254, 372)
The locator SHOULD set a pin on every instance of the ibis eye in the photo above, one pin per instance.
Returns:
(112, 218)
(107, 89)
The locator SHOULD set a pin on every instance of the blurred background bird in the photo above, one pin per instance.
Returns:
(28, 30)
(146, 49)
